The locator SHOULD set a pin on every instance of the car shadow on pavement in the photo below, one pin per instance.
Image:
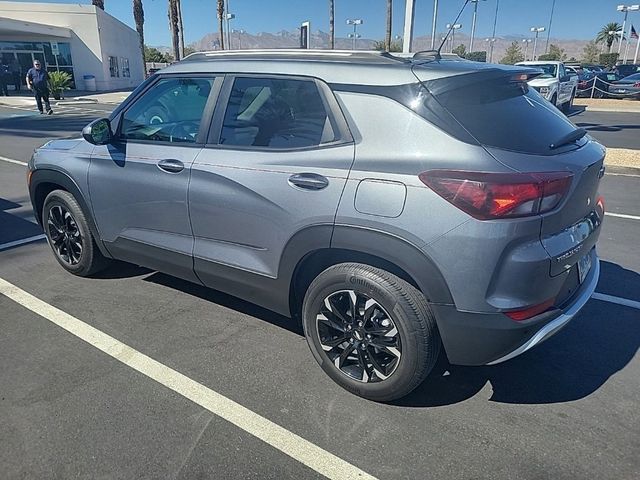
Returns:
(227, 301)
(43, 126)
(571, 365)
(598, 127)
(13, 227)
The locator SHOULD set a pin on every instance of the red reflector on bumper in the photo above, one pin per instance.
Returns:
(519, 315)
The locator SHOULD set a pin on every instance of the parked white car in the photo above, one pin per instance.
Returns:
(556, 84)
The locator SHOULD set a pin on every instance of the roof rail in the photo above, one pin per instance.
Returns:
(199, 56)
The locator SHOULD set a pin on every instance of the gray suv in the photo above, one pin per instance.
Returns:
(397, 207)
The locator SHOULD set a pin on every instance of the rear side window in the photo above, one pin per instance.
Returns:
(276, 113)
(502, 114)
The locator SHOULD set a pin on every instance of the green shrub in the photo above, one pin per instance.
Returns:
(477, 56)
(59, 82)
(608, 59)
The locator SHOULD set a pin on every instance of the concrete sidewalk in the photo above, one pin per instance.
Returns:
(608, 105)
(24, 98)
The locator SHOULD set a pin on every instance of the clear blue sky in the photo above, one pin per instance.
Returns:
(573, 19)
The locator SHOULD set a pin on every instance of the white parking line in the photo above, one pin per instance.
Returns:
(271, 433)
(618, 300)
(11, 160)
(15, 243)
(622, 215)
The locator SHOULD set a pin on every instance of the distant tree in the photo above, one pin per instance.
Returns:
(555, 54)
(590, 52)
(513, 54)
(98, 3)
(152, 54)
(189, 51)
(138, 16)
(460, 50)
(332, 33)
(396, 46)
(220, 9)
(387, 37)
(610, 33)
(608, 59)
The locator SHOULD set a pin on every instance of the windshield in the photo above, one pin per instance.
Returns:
(549, 70)
(635, 76)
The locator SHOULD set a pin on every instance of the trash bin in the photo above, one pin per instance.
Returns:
(89, 83)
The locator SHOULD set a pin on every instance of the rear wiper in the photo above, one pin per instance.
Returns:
(569, 138)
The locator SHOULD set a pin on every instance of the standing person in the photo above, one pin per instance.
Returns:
(16, 71)
(4, 79)
(38, 82)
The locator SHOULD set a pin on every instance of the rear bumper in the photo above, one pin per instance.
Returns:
(488, 339)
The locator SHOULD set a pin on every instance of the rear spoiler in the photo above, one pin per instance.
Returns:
(513, 75)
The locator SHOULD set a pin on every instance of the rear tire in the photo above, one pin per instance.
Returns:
(69, 236)
(371, 332)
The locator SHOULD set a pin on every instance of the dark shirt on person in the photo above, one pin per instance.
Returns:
(38, 78)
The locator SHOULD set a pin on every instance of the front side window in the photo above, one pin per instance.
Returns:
(113, 67)
(170, 111)
(276, 113)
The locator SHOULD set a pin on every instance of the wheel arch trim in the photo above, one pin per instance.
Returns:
(65, 182)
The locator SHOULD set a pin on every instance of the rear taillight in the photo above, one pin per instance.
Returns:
(636, 85)
(488, 196)
(519, 315)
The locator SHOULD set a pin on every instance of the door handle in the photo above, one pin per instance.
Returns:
(171, 165)
(309, 181)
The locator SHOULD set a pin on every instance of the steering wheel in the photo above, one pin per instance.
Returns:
(184, 131)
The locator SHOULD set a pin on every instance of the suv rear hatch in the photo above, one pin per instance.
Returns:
(523, 131)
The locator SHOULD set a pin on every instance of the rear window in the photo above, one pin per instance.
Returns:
(500, 113)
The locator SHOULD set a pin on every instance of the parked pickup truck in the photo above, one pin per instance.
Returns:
(556, 84)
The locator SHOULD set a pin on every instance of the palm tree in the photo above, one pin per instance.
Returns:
(174, 28)
(221, 23)
(138, 16)
(181, 39)
(387, 38)
(98, 3)
(332, 36)
(609, 34)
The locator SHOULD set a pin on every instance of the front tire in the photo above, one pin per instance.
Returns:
(371, 332)
(568, 106)
(69, 236)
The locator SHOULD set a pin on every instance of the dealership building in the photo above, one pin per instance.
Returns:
(99, 51)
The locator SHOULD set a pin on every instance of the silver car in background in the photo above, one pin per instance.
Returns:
(399, 208)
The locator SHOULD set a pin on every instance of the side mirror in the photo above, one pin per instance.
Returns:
(98, 132)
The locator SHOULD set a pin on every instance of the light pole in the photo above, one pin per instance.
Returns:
(228, 17)
(527, 42)
(553, 6)
(355, 22)
(491, 42)
(537, 31)
(240, 33)
(495, 19)
(473, 23)
(433, 24)
(625, 9)
(453, 29)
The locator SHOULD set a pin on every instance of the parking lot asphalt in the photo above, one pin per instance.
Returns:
(566, 409)
(612, 129)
